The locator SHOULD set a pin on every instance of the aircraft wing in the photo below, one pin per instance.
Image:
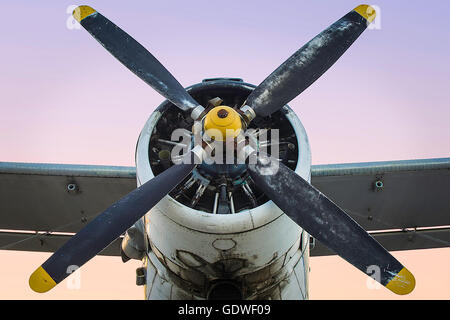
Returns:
(403, 204)
(43, 205)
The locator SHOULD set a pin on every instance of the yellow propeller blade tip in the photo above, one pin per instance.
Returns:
(366, 11)
(402, 283)
(40, 281)
(82, 12)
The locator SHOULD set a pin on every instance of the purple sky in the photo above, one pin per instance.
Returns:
(65, 99)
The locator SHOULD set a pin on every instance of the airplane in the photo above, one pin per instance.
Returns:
(227, 231)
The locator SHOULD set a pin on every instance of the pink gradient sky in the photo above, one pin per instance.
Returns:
(66, 100)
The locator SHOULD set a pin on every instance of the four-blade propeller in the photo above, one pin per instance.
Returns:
(297, 198)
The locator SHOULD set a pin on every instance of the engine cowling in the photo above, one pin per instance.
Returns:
(248, 245)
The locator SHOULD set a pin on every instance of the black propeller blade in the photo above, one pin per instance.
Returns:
(307, 64)
(107, 226)
(329, 224)
(134, 56)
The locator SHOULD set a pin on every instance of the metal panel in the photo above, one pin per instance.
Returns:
(393, 241)
(36, 196)
(414, 192)
(46, 243)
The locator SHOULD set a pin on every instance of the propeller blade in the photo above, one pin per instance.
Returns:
(329, 224)
(134, 56)
(307, 64)
(107, 226)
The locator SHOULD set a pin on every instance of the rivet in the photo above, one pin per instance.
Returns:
(222, 113)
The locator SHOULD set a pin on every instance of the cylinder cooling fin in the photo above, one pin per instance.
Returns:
(219, 188)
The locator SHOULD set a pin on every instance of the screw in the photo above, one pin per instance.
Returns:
(222, 113)
(72, 187)
(379, 185)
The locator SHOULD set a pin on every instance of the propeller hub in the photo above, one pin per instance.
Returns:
(222, 122)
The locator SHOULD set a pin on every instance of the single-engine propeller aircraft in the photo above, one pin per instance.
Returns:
(206, 229)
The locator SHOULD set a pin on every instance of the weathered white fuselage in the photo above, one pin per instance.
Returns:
(260, 252)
